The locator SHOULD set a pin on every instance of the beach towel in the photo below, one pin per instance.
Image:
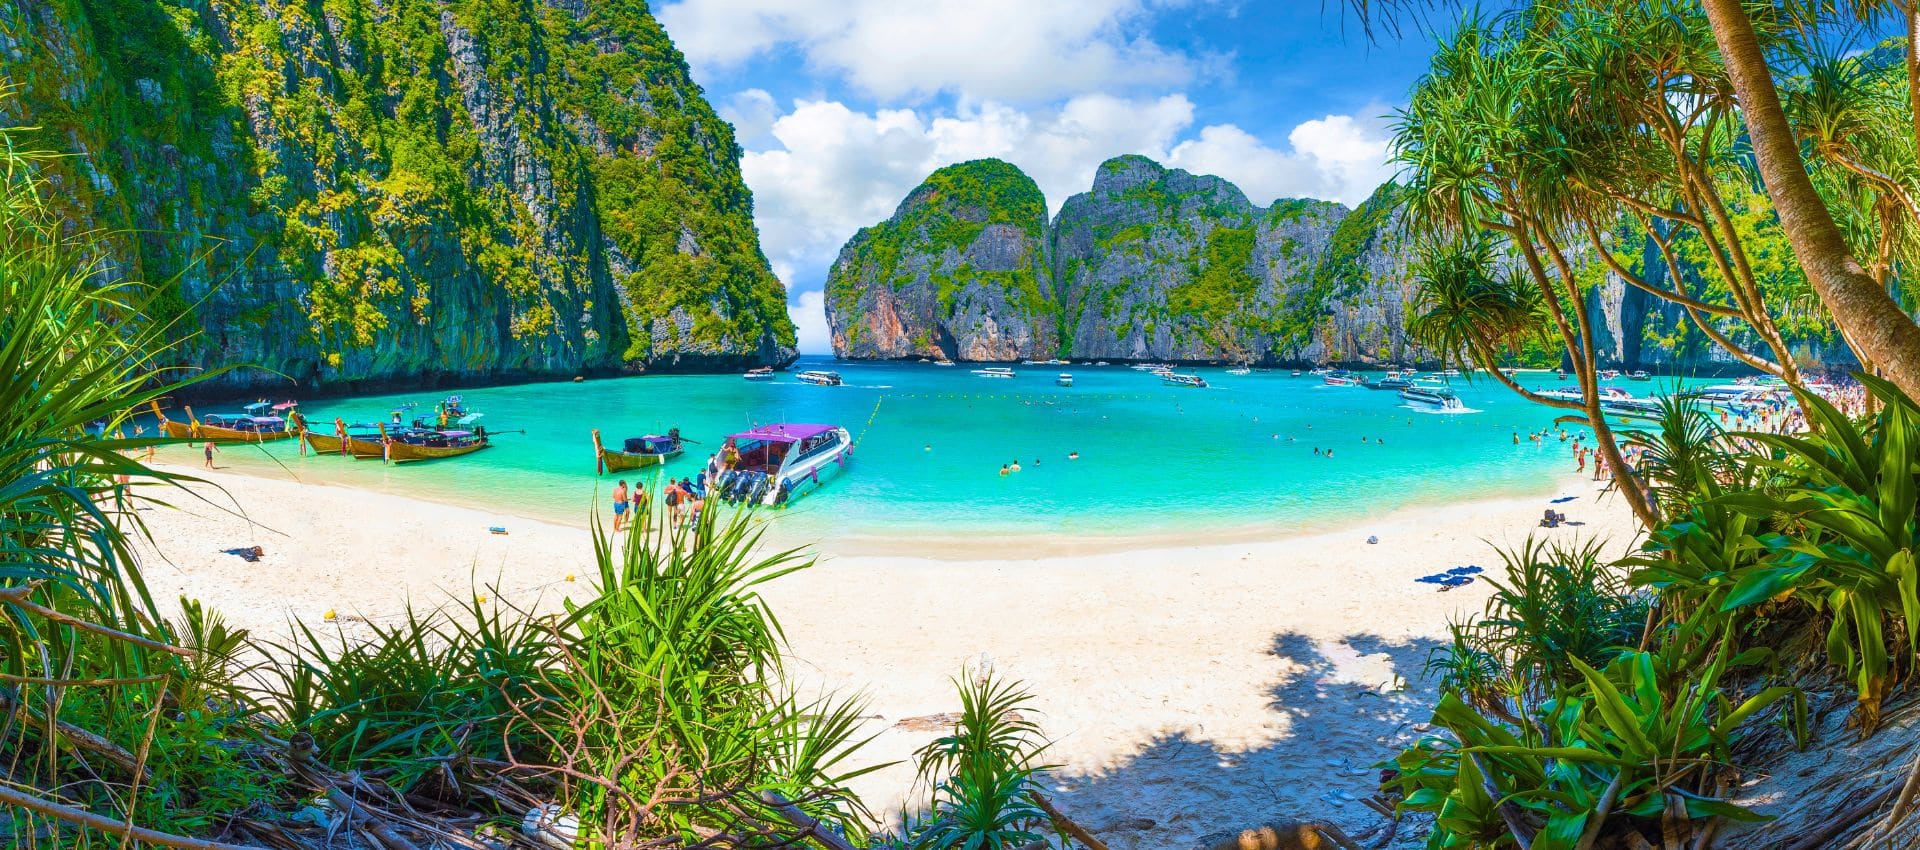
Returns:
(1563, 499)
(1470, 569)
(1455, 581)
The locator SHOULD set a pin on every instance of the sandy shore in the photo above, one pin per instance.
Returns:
(1199, 686)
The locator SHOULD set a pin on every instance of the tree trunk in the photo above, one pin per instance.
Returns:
(1859, 304)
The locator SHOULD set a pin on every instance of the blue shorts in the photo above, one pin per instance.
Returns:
(619, 508)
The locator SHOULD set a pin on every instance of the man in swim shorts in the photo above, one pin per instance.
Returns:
(619, 505)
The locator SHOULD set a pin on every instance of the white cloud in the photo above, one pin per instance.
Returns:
(1021, 50)
(810, 322)
(1338, 158)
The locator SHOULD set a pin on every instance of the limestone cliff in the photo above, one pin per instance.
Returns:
(359, 193)
(960, 271)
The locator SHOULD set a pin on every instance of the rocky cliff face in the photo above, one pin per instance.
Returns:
(365, 193)
(1158, 264)
(960, 271)
(1152, 264)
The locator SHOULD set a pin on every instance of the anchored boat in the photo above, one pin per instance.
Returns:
(1340, 378)
(262, 422)
(819, 378)
(1065, 379)
(361, 439)
(411, 444)
(1395, 380)
(637, 452)
(994, 372)
(775, 464)
(1177, 380)
(761, 374)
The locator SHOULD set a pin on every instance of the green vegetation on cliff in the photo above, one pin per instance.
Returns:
(404, 184)
(941, 220)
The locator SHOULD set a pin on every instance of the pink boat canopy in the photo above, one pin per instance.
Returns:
(782, 432)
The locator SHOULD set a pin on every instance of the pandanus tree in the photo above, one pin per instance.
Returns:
(1467, 141)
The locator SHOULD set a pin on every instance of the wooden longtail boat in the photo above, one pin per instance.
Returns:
(413, 444)
(362, 441)
(638, 452)
(226, 428)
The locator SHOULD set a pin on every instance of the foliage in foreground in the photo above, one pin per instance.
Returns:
(1565, 721)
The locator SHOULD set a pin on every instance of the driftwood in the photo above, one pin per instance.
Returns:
(809, 828)
(1065, 824)
(1281, 835)
(14, 797)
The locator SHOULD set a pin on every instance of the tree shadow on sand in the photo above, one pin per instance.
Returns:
(1339, 708)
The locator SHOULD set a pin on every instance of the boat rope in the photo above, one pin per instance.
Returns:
(869, 426)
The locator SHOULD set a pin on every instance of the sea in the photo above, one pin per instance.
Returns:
(1261, 453)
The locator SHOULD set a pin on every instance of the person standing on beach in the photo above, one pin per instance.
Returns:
(209, 451)
(619, 505)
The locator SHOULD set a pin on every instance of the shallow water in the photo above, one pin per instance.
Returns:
(930, 442)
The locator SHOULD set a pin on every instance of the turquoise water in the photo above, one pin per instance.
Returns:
(1154, 460)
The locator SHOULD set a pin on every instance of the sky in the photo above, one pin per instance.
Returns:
(843, 106)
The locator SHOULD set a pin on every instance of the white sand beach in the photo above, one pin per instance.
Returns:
(1200, 686)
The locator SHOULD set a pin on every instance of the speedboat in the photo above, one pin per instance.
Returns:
(1638, 375)
(1393, 381)
(1340, 378)
(1296, 373)
(1433, 394)
(1065, 379)
(1152, 367)
(761, 374)
(943, 362)
(637, 452)
(1178, 380)
(819, 378)
(994, 372)
(1101, 363)
(1609, 374)
(775, 464)
(1239, 370)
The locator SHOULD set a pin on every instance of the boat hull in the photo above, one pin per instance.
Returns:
(810, 474)
(217, 434)
(328, 444)
(399, 452)
(615, 461)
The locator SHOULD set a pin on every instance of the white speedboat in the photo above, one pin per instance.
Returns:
(761, 374)
(819, 378)
(1431, 394)
(943, 362)
(994, 372)
(1239, 370)
(1638, 375)
(775, 464)
(1173, 379)
(1340, 378)
(1152, 367)
(1065, 379)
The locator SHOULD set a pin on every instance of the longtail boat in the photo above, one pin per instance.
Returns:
(359, 440)
(413, 444)
(637, 452)
(261, 423)
(774, 464)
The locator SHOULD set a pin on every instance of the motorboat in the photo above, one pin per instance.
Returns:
(1431, 394)
(819, 378)
(775, 464)
(1340, 378)
(994, 372)
(1177, 380)
(1393, 381)
(761, 374)
(1155, 368)
(1065, 379)
(943, 362)
(1239, 370)
(1638, 375)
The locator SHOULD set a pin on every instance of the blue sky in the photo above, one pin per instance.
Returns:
(843, 106)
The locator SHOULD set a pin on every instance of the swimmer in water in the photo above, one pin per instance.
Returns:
(1003, 469)
(1073, 455)
(1015, 467)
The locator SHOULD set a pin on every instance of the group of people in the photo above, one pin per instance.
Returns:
(685, 499)
(1013, 467)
